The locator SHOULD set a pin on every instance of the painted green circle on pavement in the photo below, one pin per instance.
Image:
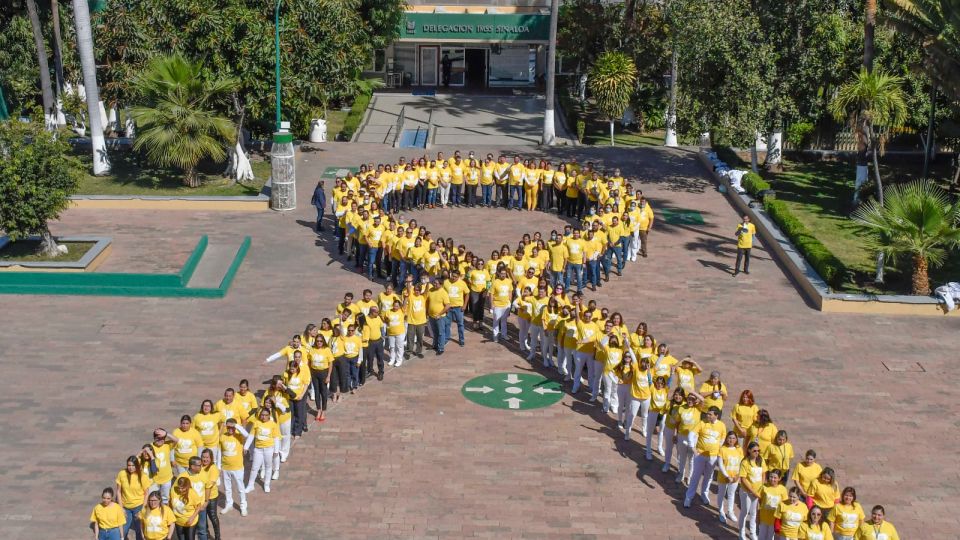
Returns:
(512, 391)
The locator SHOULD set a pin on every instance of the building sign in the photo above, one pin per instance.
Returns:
(466, 26)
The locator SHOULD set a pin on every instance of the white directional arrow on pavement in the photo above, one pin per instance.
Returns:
(514, 403)
(482, 389)
(542, 390)
(512, 378)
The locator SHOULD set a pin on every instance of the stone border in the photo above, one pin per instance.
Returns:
(240, 203)
(806, 277)
(93, 258)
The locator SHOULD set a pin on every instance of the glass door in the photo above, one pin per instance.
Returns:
(455, 57)
(429, 59)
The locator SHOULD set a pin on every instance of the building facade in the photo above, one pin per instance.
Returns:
(474, 46)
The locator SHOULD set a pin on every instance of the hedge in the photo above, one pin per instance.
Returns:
(357, 111)
(820, 258)
(753, 183)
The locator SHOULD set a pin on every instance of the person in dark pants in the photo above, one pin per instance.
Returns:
(446, 65)
(745, 232)
(373, 335)
(212, 510)
(295, 384)
(321, 366)
(340, 374)
(319, 200)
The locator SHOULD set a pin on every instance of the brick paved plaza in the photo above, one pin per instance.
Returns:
(86, 379)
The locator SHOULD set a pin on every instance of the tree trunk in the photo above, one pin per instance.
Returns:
(671, 136)
(58, 61)
(774, 160)
(46, 89)
(611, 133)
(191, 178)
(920, 279)
(81, 16)
(753, 158)
(876, 175)
(929, 148)
(549, 131)
(48, 245)
(869, 26)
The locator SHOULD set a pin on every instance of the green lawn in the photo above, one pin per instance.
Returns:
(335, 121)
(130, 175)
(26, 251)
(819, 195)
(623, 138)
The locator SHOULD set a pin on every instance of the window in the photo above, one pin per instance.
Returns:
(378, 61)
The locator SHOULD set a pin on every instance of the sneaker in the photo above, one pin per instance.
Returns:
(705, 499)
(266, 489)
(276, 475)
(733, 518)
(723, 519)
(686, 503)
(243, 512)
(649, 457)
(227, 508)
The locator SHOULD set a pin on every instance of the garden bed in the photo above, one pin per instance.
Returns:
(84, 253)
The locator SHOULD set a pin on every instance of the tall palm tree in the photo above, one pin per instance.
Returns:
(46, 89)
(936, 23)
(869, 29)
(916, 220)
(81, 18)
(179, 121)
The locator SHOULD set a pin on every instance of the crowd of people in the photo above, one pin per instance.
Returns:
(172, 486)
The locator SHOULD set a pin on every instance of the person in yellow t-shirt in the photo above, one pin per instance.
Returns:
(714, 392)
(107, 517)
(501, 298)
(438, 303)
(232, 441)
(645, 220)
(779, 455)
(207, 422)
(771, 495)
(373, 352)
(816, 527)
(752, 473)
(807, 472)
(686, 438)
(188, 442)
(458, 292)
(488, 175)
(659, 405)
(790, 515)
(265, 438)
(156, 519)
(575, 256)
(744, 414)
(847, 515)
(396, 322)
(824, 490)
(212, 474)
(531, 186)
(478, 279)
(710, 436)
(763, 431)
(186, 506)
(745, 232)
(728, 476)
(416, 306)
(232, 407)
(132, 485)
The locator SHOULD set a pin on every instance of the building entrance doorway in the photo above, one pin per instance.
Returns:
(476, 68)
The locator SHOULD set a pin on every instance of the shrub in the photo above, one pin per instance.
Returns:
(581, 129)
(820, 258)
(352, 122)
(798, 134)
(753, 183)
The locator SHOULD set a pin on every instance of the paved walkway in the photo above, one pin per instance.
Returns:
(463, 119)
(86, 379)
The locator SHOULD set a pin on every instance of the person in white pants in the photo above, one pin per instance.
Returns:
(728, 477)
(710, 434)
(266, 436)
(751, 481)
(671, 420)
(687, 435)
(523, 303)
(637, 402)
(281, 404)
(536, 326)
(658, 405)
(613, 356)
(396, 332)
(231, 464)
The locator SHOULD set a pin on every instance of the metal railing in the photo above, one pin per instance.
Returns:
(398, 128)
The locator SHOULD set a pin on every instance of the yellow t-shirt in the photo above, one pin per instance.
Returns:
(517, 172)
(746, 415)
(589, 335)
(163, 459)
(751, 474)
(188, 445)
(209, 427)
(396, 322)
(661, 365)
(791, 516)
(659, 400)
(386, 301)
(745, 234)
(133, 488)
(689, 419)
(231, 452)
(820, 531)
(297, 383)
(456, 292)
(108, 517)
(437, 300)
(805, 475)
(712, 395)
(770, 498)
(846, 518)
(248, 400)
(417, 309)
(320, 358)
(762, 435)
(730, 457)
(236, 409)
(576, 248)
(710, 437)
(264, 433)
(685, 378)
(824, 495)
(501, 290)
(478, 280)
(373, 330)
(156, 523)
(213, 474)
(184, 508)
(778, 457)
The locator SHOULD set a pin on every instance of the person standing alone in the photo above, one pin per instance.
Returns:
(319, 200)
(745, 232)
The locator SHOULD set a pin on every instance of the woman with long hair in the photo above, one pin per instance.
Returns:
(763, 431)
(132, 486)
(752, 472)
(208, 423)
(671, 422)
(728, 476)
(790, 515)
(186, 506)
(744, 414)
(771, 494)
(847, 515)
(659, 405)
(156, 519)
(108, 517)
(816, 527)
(265, 437)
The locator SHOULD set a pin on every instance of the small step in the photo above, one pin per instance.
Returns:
(213, 265)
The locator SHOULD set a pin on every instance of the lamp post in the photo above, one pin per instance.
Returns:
(283, 174)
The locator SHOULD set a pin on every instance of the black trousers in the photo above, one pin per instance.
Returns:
(340, 378)
(571, 205)
(478, 301)
(213, 517)
(471, 195)
(321, 390)
(299, 420)
(503, 195)
(744, 255)
(373, 352)
(185, 533)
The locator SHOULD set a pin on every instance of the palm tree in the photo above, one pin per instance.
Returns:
(613, 78)
(46, 90)
(870, 102)
(81, 18)
(180, 122)
(916, 220)
(936, 23)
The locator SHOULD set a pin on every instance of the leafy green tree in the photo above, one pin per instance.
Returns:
(37, 177)
(177, 120)
(936, 24)
(915, 220)
(613, 79)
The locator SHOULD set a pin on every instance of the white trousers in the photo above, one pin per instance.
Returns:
(500, 317)
(638, 407)
(725, 494)
(565, 361)
(536, 338)
(262, 459)
(524, 326)
(594, 374)
(444, 194)
(610, 398)
(651, 426)
(634, 248)
(231, 478)
(547, 349)
(668, 435)
(284, 442)
(579, 359)
(624, 398)
(701, 476)
(748, 515)
(396, 344)
(685, 452)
